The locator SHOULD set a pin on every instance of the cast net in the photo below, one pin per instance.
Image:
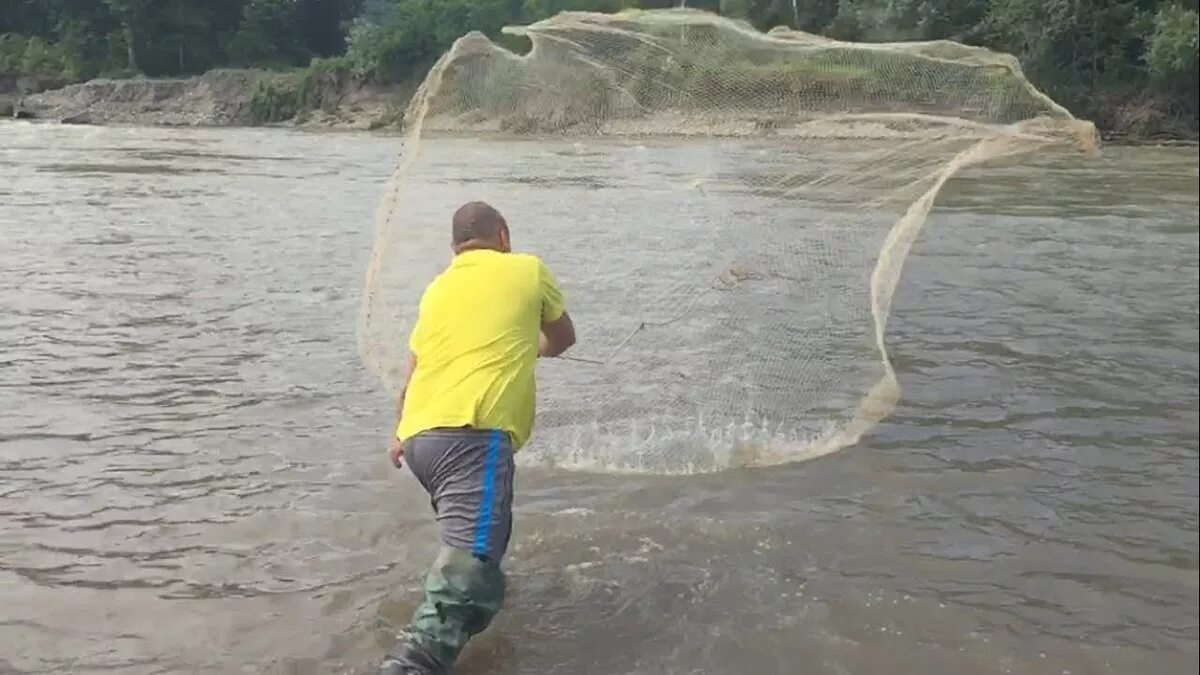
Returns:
(728, 212)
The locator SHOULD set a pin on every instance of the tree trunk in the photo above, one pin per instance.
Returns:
(129, 46)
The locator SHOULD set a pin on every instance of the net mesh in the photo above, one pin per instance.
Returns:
(728, 212)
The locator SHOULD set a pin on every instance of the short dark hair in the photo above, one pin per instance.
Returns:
(476, 221)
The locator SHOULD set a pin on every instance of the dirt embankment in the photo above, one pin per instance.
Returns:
(1143, 119)
(330, 100)
(14, 87)
(216, 98)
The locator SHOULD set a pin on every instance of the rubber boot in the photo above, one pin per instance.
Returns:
(462, 595)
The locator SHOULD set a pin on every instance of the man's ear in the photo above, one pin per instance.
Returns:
(505, 240)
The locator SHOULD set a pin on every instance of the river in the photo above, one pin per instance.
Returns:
(192, 477)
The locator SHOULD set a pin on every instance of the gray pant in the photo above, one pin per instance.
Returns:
(468, 474)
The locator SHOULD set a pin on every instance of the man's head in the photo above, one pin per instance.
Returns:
(478, 225)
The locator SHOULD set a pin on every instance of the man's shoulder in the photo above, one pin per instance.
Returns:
(512, 266)
(528, 260)
(436, 281)
(528, 257)
(519, 264)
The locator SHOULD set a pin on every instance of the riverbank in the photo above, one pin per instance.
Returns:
(216, 98)
(331, 99)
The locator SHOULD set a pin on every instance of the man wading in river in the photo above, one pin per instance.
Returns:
(467, 406)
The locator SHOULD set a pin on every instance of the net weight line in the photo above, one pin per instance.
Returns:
(728, 279)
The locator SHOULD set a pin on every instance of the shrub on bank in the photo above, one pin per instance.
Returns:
(274, 102)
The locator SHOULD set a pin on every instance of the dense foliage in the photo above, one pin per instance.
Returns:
(1111, 60)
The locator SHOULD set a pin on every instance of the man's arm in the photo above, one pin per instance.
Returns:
(409, 369)
(558, 332)
(557, 337)
(395, 447)
(415, 340)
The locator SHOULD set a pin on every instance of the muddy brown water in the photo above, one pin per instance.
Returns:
(191, 478)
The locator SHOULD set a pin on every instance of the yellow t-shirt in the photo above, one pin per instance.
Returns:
(476, 343)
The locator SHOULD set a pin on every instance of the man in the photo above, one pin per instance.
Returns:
(467, 406)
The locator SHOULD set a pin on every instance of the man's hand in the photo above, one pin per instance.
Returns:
(556, 337)
(396, 452)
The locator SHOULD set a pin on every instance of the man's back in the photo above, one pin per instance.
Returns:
(476, 345)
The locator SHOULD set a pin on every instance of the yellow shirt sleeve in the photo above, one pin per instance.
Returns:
(553, 303)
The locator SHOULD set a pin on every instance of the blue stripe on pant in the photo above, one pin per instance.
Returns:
(468, 474)
(487, 501)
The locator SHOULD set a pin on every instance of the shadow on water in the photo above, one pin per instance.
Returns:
(154, 155)
(149, 169)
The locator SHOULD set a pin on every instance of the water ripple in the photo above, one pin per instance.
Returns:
(190, 456)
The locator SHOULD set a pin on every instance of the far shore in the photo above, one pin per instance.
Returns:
(225, 98)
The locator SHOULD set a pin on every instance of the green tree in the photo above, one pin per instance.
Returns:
(1066, 43)
(809, 15)
(134, 17)
(536, 10)
(933, 19)
(403, 38)
(1174, 43)
(323, 24)
(182, 45)
(268, 35)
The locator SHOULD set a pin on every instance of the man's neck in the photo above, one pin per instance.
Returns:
(476, 245)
